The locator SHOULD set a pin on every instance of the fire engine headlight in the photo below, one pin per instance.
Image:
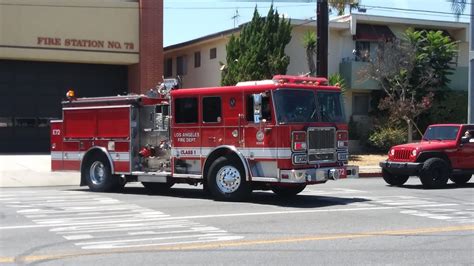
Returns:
(392, 152)
(341, 143)
(342, 156)
(413, 152)
(299, 158)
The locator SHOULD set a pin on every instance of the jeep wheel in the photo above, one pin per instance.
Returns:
(226, 180)
(460, 179)
(435, 173)
(289, 191)
(394, 180)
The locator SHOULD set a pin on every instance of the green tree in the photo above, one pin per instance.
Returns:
(434, 52)
(340, 5)
(259, 51)
(410, 72)
(309, 43)
(336, 79)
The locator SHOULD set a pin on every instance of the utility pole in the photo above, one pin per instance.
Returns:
(236, 17)
(322, 22)
(470, 92)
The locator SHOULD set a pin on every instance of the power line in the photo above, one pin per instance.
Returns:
(413, 10)
(230, 8)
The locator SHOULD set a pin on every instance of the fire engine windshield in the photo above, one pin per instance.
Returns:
(302, 106)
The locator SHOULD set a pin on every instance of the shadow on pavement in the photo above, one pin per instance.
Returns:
(257, 197)
(448, 186)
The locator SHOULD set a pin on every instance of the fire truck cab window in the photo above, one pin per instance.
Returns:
(211, 110)
(266, 108)
(186, 110)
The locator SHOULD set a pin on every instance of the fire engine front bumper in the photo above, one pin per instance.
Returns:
(312, 175)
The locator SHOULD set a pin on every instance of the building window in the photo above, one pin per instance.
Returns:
(362, 51)
(168, 68)
(213, 53)
(186, 110)
(211, 110)
(197, 59)
(360, 104)
(181, 65)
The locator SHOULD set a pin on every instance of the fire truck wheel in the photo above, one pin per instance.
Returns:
(435, 173)
(461, 179)
(157, 187)
(394, 180)
(288, 191)
(226, 180)
(99, 176)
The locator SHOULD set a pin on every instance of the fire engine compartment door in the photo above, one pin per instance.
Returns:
(97, 122)
(233, 114)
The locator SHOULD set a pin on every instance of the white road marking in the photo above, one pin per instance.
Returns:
(78, 237)
(118, 245)
(107, 223)
(209, 216)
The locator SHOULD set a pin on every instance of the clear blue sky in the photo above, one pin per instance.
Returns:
(185, 20)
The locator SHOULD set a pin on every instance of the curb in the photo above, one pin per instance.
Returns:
(366, 175)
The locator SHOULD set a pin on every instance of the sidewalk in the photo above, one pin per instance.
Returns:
(31, 171)
(370, 171)
(35, 170)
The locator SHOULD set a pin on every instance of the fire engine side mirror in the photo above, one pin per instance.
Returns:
(257, 107)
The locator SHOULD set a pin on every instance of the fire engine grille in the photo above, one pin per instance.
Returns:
(321, 157)
(402, 154)
(321, 138)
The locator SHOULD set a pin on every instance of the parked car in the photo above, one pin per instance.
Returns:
(445, 152)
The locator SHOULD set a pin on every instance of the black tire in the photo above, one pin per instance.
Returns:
(98, 175)
(461, 179)
(236, 189)
(394, 180)
(435, 173)
(157, 187)
(288, 191)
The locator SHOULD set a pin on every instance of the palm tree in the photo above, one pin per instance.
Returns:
(458, 6)
(309, 43)
(340, 5)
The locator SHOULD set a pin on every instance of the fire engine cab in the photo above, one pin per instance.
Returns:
(280, 134)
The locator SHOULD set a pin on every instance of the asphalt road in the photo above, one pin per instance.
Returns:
(346, 222)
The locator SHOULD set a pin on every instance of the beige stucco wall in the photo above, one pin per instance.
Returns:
(208, 74)
(340, 46)
(89, 31)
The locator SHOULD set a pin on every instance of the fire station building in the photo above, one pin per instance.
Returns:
(96, 48)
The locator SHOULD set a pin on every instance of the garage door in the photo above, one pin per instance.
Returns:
(31, 95)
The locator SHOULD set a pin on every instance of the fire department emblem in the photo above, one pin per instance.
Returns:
(260, 135)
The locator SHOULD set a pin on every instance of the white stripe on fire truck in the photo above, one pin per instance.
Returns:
(77, 156)
(267, 153)
(55, 155)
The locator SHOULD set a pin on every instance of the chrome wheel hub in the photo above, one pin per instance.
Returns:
(97, 173)
(228, 179)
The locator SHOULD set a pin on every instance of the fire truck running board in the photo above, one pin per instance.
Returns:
(160, 177)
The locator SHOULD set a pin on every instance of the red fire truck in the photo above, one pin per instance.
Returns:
(280, 134)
